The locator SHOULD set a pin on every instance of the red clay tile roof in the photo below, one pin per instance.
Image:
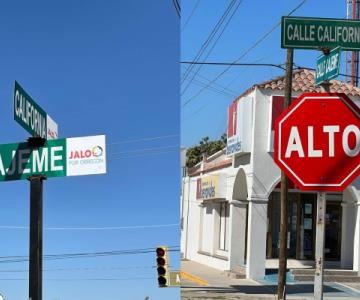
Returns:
(304, 81)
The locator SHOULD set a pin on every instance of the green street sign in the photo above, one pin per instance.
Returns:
(174, 279)
(327, 66)
(315, 33)
(57, 158)
(31, 116)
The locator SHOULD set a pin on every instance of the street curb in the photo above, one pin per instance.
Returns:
(193, 278)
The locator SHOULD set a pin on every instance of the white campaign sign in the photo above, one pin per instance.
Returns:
(85, 155)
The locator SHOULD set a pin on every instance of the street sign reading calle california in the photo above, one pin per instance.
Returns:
(31, 116)
(57, 158)
(315, 33)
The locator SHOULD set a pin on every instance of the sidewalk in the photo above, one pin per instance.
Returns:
(219, 286)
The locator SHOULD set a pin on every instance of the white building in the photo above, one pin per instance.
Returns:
(230, 203)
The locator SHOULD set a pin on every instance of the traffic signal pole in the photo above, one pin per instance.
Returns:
(284, 189)
(36, 233)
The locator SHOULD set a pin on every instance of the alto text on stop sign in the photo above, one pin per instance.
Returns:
(349, 139)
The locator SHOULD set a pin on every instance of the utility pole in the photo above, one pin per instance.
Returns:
(284, 188)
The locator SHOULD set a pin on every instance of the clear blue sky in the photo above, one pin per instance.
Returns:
(97, 67)
(206, 113)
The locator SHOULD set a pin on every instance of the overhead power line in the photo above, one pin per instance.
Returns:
(191, 14)
(81, 269)
(232, 64)
(218, 91)
(259, 60)
(201, 80)
(177, 7)
(146, 139)
(296, 67)
(107, 268)
(146, 154)
(208, 40)
(81, 279)
(280, 66)
(150, 249)
(146, 149)
(262, 38)
(24, 258)
(215, 85)
(93, 228)
(211, 36)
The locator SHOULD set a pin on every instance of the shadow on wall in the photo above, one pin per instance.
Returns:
(240, 186)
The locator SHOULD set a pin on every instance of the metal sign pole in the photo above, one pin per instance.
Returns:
(319, 250)
(320, 226)
(36, 233)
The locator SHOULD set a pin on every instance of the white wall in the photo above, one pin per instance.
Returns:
(194, 241)
(191, 218)
(347, 229)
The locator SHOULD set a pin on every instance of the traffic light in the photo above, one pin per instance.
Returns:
(162, 265)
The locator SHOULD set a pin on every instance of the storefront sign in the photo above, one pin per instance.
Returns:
(58, 158)
(239, 123)
(211, 187)
(233, 140)
(315, 33)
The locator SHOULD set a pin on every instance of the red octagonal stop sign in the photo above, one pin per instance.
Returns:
(317, 141)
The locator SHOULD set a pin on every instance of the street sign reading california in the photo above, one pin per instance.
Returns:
(315, 33)
(57, 158)
(31, 116)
